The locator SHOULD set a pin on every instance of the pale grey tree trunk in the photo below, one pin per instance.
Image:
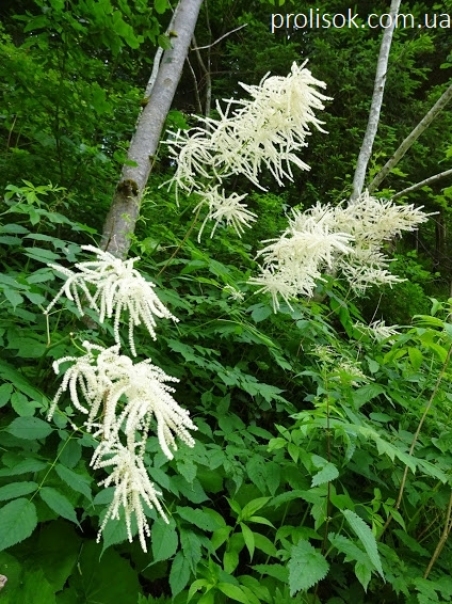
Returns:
(123, 214)
(377, 100)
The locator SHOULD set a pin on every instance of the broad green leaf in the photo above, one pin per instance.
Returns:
(191, 546)
(187, 469)
(5, 394)
(29, 428)
(248, 536)
(109, 579)
(164, 540)
(306, 566)
(367, 538)
(220, 536)
(115, 531)
(253, 506)
(17, 489)
(349, 548)
(57, 550)
(199, 518)
(363, 574)
(234, 592)
(18, 520)
(264, 544)
(58, 503)
(196, 586)
(80, 484)
(230, 561)
(24, 467)
(20, 382)
(328, 473)
(70, 452)
(179, 574)
(277, 571)
(22, 405)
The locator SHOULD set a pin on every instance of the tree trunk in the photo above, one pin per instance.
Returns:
(377, 100)
(123, 214)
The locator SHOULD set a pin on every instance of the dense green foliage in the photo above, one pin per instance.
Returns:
(322, 466)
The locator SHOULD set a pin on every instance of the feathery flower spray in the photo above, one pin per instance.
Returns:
(121, 399)
(266, 131)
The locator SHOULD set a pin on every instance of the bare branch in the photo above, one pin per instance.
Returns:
(423, 183)
(377, 100)
(220, 38)
(412, 138)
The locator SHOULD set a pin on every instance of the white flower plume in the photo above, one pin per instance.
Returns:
(266, 131)
(229, 209)
(105, 378)
(133, 488)
(117, 287)
(345, 238)
(378, 330)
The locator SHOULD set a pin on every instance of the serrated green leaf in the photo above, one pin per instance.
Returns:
(191, 546)
(29, 428)
(24, 467)
(17, 489)
(328, 473)
(199, 518)
(164, 540)
(306, 566)
(115, 531)
(367, 538)
(80, 484)
(58, 503)
(349, 548)
(18, 520)
(179, 574)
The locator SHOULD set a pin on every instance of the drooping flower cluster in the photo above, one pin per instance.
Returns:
(266, 131)
(346, 238)
(117, 287)
(106, 380)
(123, 400)
(378, 330)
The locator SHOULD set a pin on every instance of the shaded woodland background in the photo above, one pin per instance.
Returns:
(278, 398)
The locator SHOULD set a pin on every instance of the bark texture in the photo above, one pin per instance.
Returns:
(375, 109)
(124, 211)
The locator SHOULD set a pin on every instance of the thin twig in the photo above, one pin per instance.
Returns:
(423, 183)
(442, 541)
(412, 138)
(186, 236)
(220, 38)
(416, 436)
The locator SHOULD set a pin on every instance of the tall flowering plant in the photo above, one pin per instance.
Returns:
(122, 400)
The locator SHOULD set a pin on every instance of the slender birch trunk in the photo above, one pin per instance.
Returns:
(123, 214)
(377, 100)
